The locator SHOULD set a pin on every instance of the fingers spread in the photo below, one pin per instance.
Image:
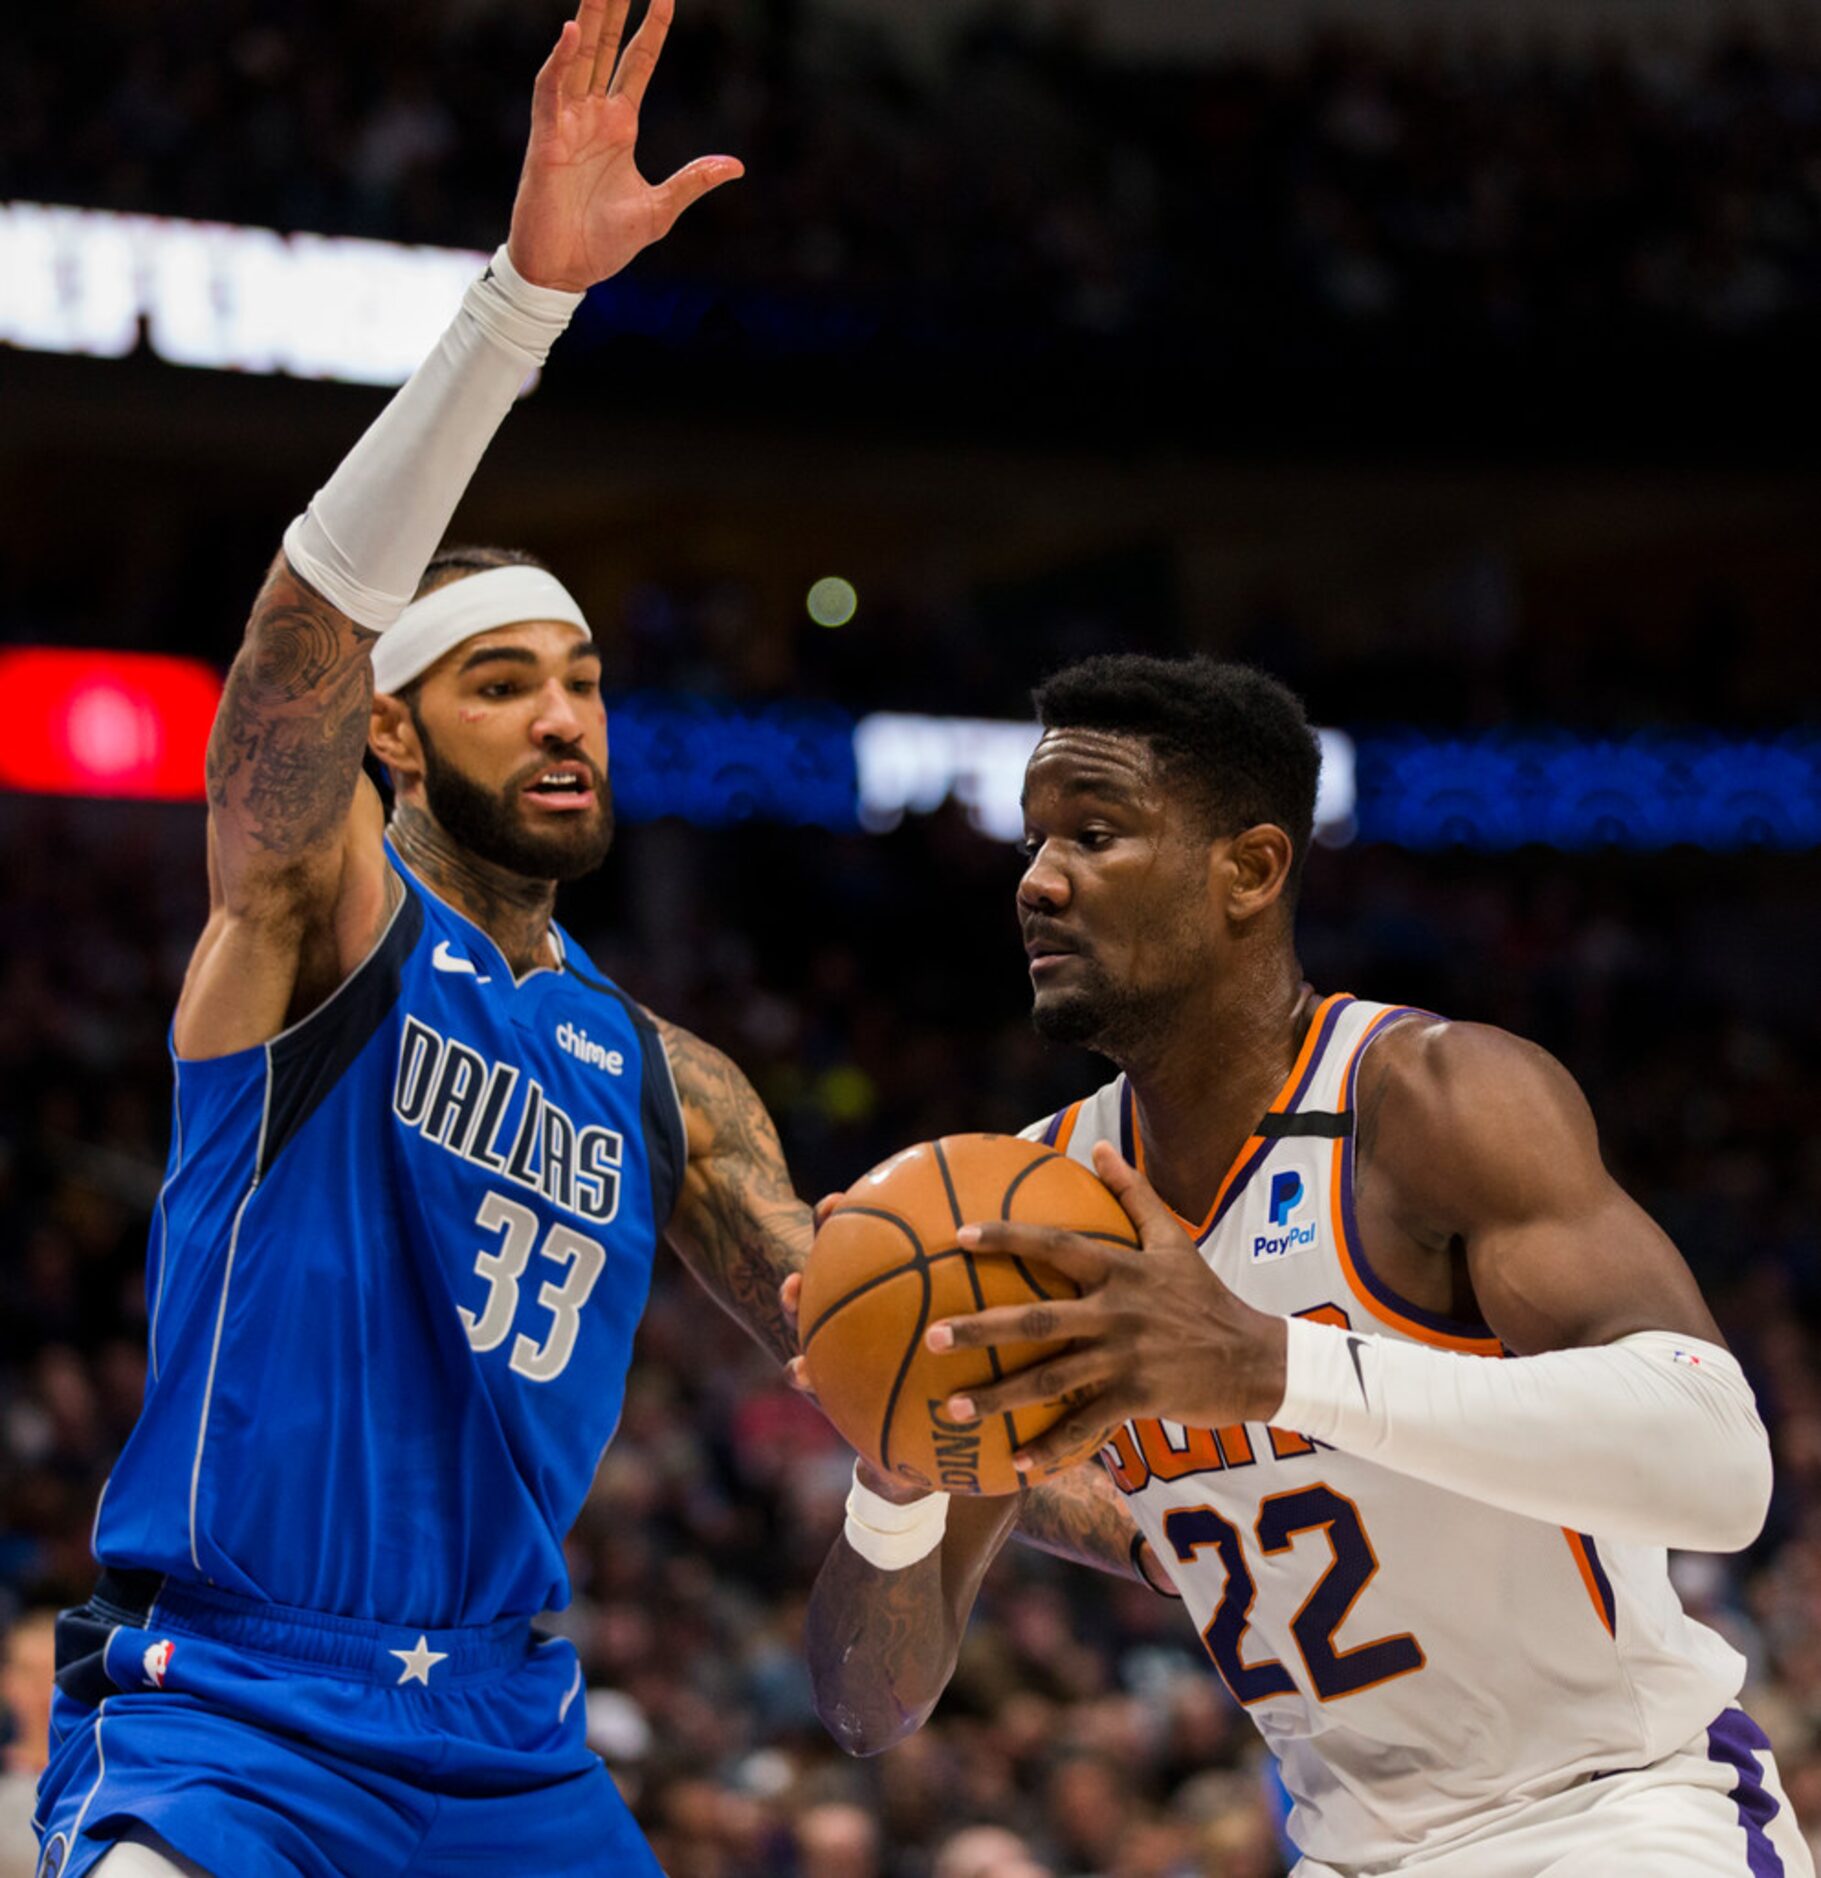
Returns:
(607, 46)
(1076, 1378)
(555, 75)
(693, 181)
(641, 58)
(1085, 1260)
(587, 40)
(1014, 1323)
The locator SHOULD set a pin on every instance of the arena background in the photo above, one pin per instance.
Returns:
(1444, 358)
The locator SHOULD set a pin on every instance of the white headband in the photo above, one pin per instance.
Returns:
(438, 623)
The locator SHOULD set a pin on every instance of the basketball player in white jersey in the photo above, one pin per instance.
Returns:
(1403, 1397)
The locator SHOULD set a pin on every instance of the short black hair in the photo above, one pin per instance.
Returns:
(1235, 737)
(456, 563)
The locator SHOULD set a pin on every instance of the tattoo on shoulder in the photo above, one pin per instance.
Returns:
(285, 750)
(739, 1225)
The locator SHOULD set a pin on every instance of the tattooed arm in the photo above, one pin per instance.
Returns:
(883, 1645)
(739, 1225)
(298, 887)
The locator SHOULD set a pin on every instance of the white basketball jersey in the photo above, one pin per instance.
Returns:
(1419, 1662)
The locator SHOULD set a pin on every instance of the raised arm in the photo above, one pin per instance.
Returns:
(298, 886)
(739, 1225)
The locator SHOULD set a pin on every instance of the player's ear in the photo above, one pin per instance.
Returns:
(392, 735)
(1257, 868)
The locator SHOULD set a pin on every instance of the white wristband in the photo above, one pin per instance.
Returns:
(888, 1535)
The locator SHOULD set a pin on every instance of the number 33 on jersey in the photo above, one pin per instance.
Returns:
(405, 1247)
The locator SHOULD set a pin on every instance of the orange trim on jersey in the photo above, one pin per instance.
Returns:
(1578, 1546)
(1437, 1339)
(1066, 1133)
(1279, 1103)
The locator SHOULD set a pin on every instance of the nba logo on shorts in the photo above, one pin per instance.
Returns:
(157, 1661)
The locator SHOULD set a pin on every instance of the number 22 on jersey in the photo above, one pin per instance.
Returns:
(1282, 1517)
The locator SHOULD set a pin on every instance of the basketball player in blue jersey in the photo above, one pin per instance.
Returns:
(422, 1154)
(1403, 1397)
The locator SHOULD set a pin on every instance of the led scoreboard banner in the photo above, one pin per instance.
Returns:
(236, 299)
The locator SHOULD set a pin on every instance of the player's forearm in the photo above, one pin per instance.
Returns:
(1653, 1439)
(370, 531)
(881, 1644)
(741, 1246)
(1079, 1516)
(285, 752)
(739, 1225)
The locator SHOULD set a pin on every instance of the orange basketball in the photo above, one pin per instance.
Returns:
(886, 1266)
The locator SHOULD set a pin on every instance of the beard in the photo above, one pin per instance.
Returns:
(1112, 1020)
(492, 825)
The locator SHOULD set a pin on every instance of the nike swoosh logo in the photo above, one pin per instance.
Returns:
(1354, 1346)
(446, 961)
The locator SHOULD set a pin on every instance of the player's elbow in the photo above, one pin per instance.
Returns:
(863, 1729)
(1727, 1510)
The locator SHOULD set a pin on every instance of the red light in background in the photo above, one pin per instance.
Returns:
(121, 724)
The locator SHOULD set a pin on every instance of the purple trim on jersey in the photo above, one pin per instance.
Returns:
(1392, 1301)
(1323, 1038)
(1128, 1113)
(1054, 1129)
(1601, 1581)
(1736, 1741)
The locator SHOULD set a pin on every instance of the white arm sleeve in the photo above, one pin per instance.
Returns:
(1654, 1439)
(366, 539)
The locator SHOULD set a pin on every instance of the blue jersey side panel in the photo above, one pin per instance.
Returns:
(398, 1268)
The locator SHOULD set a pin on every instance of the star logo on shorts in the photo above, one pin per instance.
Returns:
(419, 1662)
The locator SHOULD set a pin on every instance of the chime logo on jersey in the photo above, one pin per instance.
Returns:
(1287, 1194)
(491, 1116)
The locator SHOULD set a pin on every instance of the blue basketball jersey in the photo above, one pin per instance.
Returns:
(393, 1280)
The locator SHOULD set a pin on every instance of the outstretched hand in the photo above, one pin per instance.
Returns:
(583, 210)
(1154, 1331)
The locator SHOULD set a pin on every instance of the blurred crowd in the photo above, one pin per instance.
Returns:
(1085, 1733)
(1015, 185)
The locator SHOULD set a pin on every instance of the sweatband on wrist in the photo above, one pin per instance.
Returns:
(371, 529)
(1654, 1438)
(888, 1535)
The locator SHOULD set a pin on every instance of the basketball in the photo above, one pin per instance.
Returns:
(885, 1267)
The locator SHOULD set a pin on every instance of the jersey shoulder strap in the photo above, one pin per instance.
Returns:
(1074, 1130)
(1357, 1022)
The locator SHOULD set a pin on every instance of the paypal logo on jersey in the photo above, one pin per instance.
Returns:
(1287, 1193)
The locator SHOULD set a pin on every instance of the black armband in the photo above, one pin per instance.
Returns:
(1163, 1590)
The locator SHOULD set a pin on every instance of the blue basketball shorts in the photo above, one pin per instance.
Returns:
(264, 1742)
